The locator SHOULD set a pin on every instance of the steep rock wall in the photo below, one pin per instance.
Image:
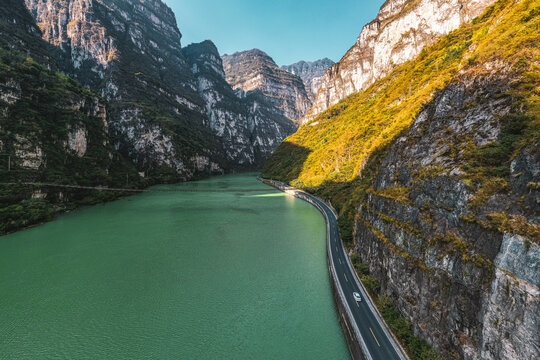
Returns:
(469, 284)
(254, 70)
(398, 34)
(249, 127)
(311, 73)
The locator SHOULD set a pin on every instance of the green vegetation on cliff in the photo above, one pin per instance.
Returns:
(51, 130)
(337, 154)
(445, 188)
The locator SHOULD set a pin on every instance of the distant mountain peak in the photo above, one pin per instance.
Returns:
(311, 73)
(255, 70)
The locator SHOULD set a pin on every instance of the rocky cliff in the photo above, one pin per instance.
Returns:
(434, 171)
(248, 127)
(171, 112)
(51, 130)
(311, 73)
(474, 254)
(130, 52)
(398, 34)
(254, 70)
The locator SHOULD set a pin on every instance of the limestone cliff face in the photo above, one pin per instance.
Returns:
(19, 32)
(398, 34)
(170, 108)
(254, 70)
(311, 73)
(130, 52)
(52, 129)
(226, 112)
(463, 266)
(248, 130)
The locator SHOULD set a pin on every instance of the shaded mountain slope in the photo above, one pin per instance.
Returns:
(51, 130)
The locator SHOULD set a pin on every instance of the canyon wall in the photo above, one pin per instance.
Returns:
(255, 71)
(311, 73)
(398, 34)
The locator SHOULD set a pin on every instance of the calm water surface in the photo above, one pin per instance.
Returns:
(172, 276)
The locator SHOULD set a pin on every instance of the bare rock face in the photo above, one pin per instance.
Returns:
(311, 73)
(469, 287)
(254, 70)
(398, 34)
(249, 131)
(226, 112)
(168, 107)
(130, 52)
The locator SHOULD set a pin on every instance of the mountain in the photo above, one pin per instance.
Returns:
(249, 128)
(434, 171)
(170, 110)
(51, 130)
(311, 73)
(96, 93)
(130, 52)
(398, 34)
(254, 70)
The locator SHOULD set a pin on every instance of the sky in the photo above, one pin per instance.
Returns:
(288, 30)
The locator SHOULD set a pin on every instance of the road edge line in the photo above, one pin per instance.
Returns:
(395, 342)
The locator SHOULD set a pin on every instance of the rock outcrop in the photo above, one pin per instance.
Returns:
(52, 130)
(227, 115)
(311, 73)
(255, 71)
(474, 256)
(248, 128)
(398, 34)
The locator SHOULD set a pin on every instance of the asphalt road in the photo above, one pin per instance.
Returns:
(378, 342)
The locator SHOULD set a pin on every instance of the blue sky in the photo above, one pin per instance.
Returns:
(288, 30)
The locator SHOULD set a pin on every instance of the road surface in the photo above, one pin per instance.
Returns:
(378, 342)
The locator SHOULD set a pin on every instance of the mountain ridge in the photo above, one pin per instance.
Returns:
(433, 171)
(398, 33)
(311, 73)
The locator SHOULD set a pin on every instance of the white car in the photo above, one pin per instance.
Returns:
(357, 297)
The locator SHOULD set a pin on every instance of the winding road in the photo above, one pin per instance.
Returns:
(378, 343)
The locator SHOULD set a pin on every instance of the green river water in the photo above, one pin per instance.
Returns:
(172, 276)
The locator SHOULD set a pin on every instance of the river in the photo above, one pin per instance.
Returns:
(234, 275)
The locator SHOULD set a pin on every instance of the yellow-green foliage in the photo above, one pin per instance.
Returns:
(398, 193)
(456, 245)
(490, 187)
(335, 147)
(514, 224)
